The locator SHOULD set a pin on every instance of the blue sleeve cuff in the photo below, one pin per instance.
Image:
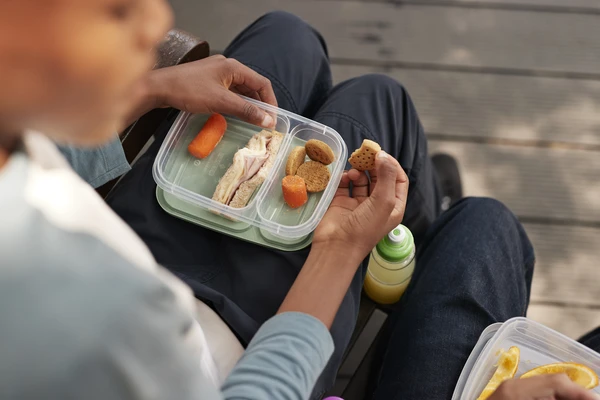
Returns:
(283, 360)
(97, 165)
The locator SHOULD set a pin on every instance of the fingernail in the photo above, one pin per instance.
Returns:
(267, 121)
(382, 155)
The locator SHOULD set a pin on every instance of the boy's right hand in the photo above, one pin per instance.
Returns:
(544, 387)
(211, 85)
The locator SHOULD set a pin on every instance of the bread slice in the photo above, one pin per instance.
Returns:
(319, 151)
(316, 176)
(363, 159)
(295, 159)
(246, 163)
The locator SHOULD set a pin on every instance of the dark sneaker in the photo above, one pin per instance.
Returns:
(449, 176)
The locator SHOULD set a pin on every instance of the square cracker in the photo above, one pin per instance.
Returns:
(363, 159)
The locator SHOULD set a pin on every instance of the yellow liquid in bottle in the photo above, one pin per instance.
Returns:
(386, 282)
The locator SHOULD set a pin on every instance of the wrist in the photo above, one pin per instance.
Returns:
(338, 253)
(156, 95)
(340, 250)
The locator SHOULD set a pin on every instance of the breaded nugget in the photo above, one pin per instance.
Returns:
(295, 159)
(319, 151)
(316, 176)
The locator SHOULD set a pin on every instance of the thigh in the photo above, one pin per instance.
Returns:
(292, 54)
(592, 340)
(378, 108)
(474, 269)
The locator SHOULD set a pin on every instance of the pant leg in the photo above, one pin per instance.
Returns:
(378, 108)
(473, 269)
(592, 340)
(293, 55)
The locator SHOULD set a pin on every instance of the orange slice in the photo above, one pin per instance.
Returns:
(508, 364)
(580, 374)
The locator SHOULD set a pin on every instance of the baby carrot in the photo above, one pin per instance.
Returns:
(209, 137)
(294, 191)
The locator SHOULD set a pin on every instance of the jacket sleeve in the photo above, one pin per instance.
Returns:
(283, 361)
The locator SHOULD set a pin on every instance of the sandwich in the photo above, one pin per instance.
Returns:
(251, 166)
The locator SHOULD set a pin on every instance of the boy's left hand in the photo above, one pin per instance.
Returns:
(352, 226)
(211, 85)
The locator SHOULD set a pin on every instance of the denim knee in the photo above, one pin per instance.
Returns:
(284, 19)
(291, 27)
(380, 83)
(488, 211)
(491, 215)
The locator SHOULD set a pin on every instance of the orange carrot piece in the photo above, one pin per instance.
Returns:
(294, 191)
(209, 137)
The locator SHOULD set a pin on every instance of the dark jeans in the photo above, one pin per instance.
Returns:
(474, 263)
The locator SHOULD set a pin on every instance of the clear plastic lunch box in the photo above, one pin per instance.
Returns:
(538, 345)
(185, 184)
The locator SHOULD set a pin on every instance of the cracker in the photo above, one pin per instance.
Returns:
(363, 159)
(295, 159)
(319, 151)
(315, 174)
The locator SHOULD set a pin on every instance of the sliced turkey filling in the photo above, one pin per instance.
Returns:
(248, 170)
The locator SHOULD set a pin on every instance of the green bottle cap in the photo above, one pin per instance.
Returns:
(397, 245)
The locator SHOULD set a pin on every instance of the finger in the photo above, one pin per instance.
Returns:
(557, 386)
(242, 75)
(354, 174)
(566, 389)
(244, 91)
(401, 174)
(358, 178)
(387, 177)
(345, 181)
(233, 104)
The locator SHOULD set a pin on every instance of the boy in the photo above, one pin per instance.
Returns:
(86, 310)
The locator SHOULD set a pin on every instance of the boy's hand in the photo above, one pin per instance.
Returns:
(354, 225)
(544, 387)
(210, 86)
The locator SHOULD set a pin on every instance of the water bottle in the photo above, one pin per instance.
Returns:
(391, 266)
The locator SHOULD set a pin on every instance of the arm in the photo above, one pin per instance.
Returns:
(283, 360)
(289, 352)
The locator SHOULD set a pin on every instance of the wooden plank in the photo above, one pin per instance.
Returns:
(571, 321)
(566, 270)
(498, 106)
(535, 4)
(538, 183)
(421, 35)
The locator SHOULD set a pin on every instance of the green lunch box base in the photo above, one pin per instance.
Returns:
(240, 230)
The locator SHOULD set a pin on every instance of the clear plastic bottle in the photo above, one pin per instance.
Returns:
(391, 266)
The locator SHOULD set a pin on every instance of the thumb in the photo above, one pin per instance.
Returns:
(384, 194)
(238, 107)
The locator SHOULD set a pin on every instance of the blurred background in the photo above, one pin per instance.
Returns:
(511, 88)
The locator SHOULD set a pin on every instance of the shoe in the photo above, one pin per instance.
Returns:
(449, 177)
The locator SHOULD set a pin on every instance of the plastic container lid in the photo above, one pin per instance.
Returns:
(194, 180)
(538, 345)
(397, 245)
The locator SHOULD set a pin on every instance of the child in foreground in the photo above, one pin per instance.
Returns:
(86, 311)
